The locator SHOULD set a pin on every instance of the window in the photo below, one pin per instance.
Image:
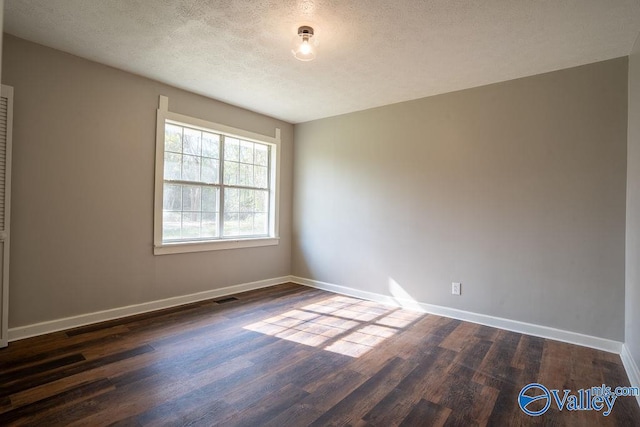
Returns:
(216, 186)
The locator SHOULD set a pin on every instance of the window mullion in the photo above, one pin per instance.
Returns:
(181, 154)
(181, 210)
(245, 187)
(269, 209)
(198, 183)
(221, 180)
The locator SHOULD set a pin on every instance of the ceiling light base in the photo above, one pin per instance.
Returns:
(304, 44)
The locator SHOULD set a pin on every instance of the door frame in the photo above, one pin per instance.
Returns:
(5, 234)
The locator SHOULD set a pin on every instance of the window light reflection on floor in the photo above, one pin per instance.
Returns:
(339, 324)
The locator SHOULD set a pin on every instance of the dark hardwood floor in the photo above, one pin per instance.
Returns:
(294, 356)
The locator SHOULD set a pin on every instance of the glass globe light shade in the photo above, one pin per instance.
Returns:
(303, 45)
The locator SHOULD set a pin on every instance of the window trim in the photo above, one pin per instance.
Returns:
(162, 248)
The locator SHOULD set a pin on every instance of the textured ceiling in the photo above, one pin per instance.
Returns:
(370, 53)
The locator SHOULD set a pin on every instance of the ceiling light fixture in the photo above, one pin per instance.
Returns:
(304, 45)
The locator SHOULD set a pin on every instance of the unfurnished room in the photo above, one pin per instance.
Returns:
(315, 213)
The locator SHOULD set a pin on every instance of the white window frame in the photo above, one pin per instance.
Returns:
(162, 248)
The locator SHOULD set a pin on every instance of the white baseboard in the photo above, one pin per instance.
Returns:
(483, 319)
(633, 372)
(27, 331)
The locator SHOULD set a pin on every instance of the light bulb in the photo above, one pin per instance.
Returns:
(304, 44)
(305, 47)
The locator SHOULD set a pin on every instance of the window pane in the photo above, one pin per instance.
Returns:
(209, 225)
(191, 142)
(191, 168)
(172, 138)
(262, 201)
(210, 145)
(246, 224)
(171, 225)
(231, 149)
(231, 200)
(261, 155)
(260, 224)
(210, 171)
(246, 175)
(210, 199)
(172, 166)
(261, 177)
(190, 224)
(191, 198)
(191, 212)
(230, 227)
(246, 152)
(247, 201)
(231, 173)
(172, 197)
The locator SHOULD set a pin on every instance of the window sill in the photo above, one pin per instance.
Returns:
(182, 247)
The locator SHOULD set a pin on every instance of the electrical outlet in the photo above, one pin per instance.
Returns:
(456, 288)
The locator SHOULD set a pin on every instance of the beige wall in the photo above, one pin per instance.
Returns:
(516, 189)
(83, 179)
(632, 324)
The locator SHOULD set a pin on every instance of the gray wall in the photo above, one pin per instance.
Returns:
(516, 189)
(83, 178)
(632, 324)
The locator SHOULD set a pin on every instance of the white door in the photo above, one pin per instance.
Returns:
(6, 133)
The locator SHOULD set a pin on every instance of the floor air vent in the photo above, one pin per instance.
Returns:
(225, 300)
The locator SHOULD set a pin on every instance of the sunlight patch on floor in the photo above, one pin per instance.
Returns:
(339, 324)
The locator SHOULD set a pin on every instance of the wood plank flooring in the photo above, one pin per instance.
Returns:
(294, 356)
